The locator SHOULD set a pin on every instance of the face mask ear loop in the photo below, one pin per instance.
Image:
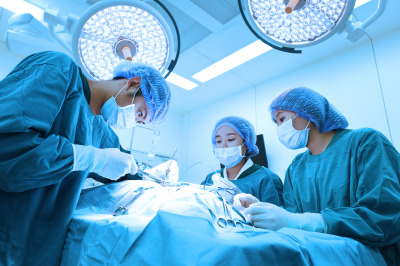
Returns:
(307, 125)
(121, 90)
(134, 95)
(244, 142)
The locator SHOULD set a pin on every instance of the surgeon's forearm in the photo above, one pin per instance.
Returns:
(34, 162)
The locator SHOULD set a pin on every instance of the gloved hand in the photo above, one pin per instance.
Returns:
(243, 201)
(272, 217)
(109, 163)
(160, 171)
(225, 183)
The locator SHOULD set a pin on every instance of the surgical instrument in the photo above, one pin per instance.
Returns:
(167, 171)
(154, 178)
(123, 210)
(224, 222)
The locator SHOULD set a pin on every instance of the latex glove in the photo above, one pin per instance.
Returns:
(272, 217)
(225, 183)
(160, 171)
(109, 163)
(243, 201)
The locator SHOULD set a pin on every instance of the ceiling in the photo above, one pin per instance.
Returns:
(213, 29)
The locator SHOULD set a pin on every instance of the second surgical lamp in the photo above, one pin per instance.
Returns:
(289, 24)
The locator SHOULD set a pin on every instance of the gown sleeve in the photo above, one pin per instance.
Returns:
(374, 217)
(278, 186)
(30, 100)
(289, 200)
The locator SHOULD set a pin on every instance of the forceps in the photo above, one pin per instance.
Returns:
(226, 221)
(167, 171)
(123, 210)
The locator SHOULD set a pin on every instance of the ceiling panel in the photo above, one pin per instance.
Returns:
(190, 30)
(213, 91)
(221, 10)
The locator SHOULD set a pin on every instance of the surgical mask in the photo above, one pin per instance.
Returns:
(229, 156)
(119, 117)
(290, 137)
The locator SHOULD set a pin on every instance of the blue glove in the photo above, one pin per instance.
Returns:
(109, 163)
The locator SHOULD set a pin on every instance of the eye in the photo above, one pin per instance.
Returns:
(140, 113)
(231, 139)
(218, 141)
(282, 119)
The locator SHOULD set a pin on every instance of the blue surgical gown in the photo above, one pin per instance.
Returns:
(43, 110)
(258, 181)
(354, 184)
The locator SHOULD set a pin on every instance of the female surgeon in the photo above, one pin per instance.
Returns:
(345, 184)
(234, 142)
(54, 131)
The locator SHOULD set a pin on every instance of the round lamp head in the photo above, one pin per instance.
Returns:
(296, 23)
(109, 30)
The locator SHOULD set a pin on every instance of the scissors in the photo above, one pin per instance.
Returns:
(123, 210)
(227, 221)
(241, 215)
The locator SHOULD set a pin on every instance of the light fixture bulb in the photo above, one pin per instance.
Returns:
(108, 27)
(311, 22)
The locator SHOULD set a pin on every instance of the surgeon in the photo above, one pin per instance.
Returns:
(54, 131)
(345, 184)
(234, 142)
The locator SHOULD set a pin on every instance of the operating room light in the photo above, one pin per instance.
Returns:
(134, 25)
(300, 26)
(289, 24)
(111, 31)
(181, 82)
(237, 58)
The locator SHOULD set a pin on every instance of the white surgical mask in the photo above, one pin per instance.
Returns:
(229, 156)
(290, 137)
(119, 117)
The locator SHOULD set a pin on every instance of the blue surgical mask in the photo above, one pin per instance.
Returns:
(119, 117)
(290, 137)
(229, 157)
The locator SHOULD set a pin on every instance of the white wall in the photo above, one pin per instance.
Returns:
(7, 62)
(349, 80)
(387, 49)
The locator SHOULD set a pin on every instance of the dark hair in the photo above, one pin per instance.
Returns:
(118, 78)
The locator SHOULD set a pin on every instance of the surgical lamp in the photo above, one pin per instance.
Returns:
(289, 24)
(112, 31)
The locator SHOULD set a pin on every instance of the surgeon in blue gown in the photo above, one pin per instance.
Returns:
(234, 142)
(345, 184)
(54, 132)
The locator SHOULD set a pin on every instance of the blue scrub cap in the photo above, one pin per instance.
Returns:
(155, 89)
(245, 130)
(311, 106)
